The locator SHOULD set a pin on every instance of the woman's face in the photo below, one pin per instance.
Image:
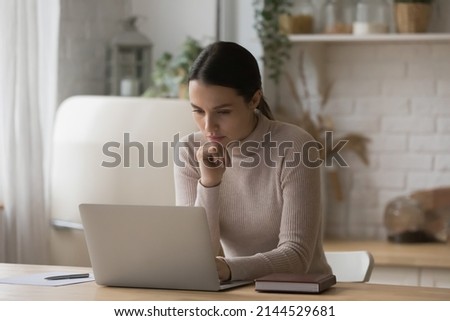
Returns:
(220, 113)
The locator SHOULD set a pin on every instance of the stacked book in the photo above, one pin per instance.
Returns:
(291, 282)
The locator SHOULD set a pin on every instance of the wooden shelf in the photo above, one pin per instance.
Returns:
(323, 38)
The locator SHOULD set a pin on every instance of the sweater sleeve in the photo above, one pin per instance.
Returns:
(299, 227)
(189, 192)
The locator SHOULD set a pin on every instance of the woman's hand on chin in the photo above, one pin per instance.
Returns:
(213, 159)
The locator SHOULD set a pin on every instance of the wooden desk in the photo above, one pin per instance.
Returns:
(91, 291)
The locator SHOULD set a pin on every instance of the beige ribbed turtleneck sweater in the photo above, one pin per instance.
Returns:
(266, 216)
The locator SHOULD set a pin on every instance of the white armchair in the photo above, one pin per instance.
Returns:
(110, 150)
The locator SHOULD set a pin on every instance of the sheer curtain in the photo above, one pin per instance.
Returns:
(29, 32)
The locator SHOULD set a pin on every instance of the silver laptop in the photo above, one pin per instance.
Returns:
(167, 247)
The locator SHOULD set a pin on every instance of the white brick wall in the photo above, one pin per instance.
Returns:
(399, 96)
(85, 29)
(396, 94)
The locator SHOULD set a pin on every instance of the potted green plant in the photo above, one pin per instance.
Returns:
(275, 42)
(170, 74)
(412, 16)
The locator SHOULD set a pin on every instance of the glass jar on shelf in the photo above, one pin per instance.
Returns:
(371, 17)
(404, 220)
(337, 16)
(407, 221)
(300, 20)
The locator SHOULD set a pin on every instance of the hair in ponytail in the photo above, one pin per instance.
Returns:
(264, 108)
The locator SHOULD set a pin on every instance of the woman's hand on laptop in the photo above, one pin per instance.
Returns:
(223, 269)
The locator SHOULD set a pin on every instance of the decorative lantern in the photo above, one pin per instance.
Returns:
(129, 61)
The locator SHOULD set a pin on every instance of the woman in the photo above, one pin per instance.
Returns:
(262, 203)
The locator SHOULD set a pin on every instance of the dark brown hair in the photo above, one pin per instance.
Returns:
(230, 65)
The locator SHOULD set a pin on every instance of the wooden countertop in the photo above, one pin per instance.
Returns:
(90, 291)
(433, 255)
